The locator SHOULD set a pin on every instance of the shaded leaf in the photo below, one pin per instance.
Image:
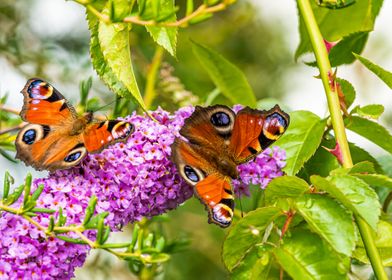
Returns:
(227, 77)
(336, 24)
(327, 218)
(354, 194)
(383, 74)
(383, 241)
(305, 256)
(358, 155)
(371, 131)
(246, 234)
(301, 139)
(342, 52)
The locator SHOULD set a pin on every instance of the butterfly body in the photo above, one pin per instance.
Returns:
(55, 136)
(218, 140)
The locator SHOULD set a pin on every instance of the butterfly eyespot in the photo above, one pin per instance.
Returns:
(191, 174)
(73, 157)
(29, 136)
(220, 119)
(274, 126)
(39, 89)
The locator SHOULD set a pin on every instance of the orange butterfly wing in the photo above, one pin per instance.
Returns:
(98, 135)
(212, 188)
(255, 130)
(216, 194)
(45, 105)
(55, 137)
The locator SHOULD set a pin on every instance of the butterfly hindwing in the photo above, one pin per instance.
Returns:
(213, 189)
(45, 105)
(255, 130)
(47, 149)
(98, 135)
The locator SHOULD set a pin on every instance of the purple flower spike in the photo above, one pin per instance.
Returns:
(130, 180)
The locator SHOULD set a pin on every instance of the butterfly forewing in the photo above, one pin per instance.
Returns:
(45, 105)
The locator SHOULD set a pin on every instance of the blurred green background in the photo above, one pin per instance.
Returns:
(50, 39)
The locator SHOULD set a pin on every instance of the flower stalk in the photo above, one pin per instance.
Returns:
(326, 75)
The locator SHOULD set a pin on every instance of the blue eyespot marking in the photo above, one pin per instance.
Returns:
(29, 136)
(73, 157)
(191, 174)
(220, 119)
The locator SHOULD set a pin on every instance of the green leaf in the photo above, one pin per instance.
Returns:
(120, 9)
(94, 221)
(358, 155)
(348, 91)
(285, 186)
(110, 55)
(373, 111)
(362, 167)
(376, 180)
(301, 139)
(342, 52)
(155, 258)
(354, 194)
(164, 36)
(227, 77)
(383, 241)
(8, 180)
(246, 234)
(304, 256)
(336, 24)
(383, 74)
(255, 265)
(371, 131)
(327, 218)
(71, 240)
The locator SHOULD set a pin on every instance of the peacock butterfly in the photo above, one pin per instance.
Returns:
(55, 136)
(218, 141)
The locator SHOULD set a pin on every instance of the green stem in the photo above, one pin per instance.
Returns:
(326, 73)
(150, 93)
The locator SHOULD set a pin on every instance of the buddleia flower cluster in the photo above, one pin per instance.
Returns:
(130, 180)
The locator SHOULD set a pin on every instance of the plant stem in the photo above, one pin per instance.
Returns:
(326, 73)
(149, 93)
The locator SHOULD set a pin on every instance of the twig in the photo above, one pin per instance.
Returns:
(9, 110)
(11, 129)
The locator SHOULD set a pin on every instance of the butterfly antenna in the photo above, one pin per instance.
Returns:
(100, 108)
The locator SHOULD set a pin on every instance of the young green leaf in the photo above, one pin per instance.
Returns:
(329, 219)
(8, 180)
(301, 139)
(363, 167)
(27, 188)
(227, 77)
(304, 256)
(71, 240)
(371, 131)
(285, 186)
(383, 74)
(110, 55)
(348, 91)
(163, 36)
(376, 180)
(14, 195)
(37, 192)
(354, 194)
(373, 111)
(93, 222)
(247, 233)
